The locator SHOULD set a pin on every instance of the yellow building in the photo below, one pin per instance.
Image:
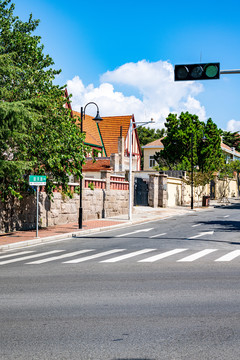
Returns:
(149, 151)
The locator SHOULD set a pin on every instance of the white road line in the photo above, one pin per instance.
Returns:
(29, 257)
(135, 232)
(202, 234)
(16, 254)
(157, 235)
(196, 256)
(127, 256)
(196, 225)
(162, 255)
(75, 261)
(59, 257)
(230, 256)
(226, 216)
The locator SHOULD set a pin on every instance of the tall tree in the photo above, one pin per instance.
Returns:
(184, 142)
(37, 133)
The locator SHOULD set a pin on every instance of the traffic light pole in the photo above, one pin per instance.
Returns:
(237, 71)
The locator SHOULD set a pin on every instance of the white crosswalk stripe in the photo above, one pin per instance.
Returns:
(59, 257)
(75, 261)
(198, 255)
(230, 256)
(29, 257)
(162, 256)
(16, 254)
(127, 256)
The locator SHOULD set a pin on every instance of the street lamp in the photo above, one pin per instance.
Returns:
(97, 119)
(130, 163)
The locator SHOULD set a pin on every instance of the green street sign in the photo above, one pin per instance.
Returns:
(37, 180)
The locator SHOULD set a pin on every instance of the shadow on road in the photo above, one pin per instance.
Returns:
(223, 225)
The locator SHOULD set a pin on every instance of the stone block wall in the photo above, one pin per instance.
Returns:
(97, 204)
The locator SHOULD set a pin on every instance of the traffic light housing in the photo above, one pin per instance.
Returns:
(208, 71)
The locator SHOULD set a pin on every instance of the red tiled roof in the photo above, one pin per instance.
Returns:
(110, 131)
(101, 164)
(91, 130)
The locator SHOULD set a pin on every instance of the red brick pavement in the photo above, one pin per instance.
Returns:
(19, 236)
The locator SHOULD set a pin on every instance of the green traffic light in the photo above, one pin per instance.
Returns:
(211, 71)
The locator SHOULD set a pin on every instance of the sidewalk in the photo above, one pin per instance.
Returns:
(141, 214)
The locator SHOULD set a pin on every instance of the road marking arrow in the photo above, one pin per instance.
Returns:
(135, 232)
(202, 234)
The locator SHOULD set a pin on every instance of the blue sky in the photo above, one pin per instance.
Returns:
(121, 54)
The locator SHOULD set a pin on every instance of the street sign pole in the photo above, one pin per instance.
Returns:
(37, 180)
(37, 211)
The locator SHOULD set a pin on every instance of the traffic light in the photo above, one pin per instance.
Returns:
(197, 72)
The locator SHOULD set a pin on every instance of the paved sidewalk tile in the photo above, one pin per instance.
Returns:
(19, 236)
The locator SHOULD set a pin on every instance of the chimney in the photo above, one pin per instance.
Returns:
(121, 150)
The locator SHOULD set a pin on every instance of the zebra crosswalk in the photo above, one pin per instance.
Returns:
(32, 257)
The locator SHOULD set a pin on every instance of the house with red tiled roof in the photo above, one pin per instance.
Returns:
(112, 138)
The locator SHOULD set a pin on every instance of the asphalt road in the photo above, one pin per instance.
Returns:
(166, 289)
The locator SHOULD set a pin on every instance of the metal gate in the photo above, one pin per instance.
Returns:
(212, 189)
(140, 192)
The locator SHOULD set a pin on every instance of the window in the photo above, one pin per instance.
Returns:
(152, 161)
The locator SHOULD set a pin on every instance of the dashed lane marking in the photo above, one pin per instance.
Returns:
(158, 235)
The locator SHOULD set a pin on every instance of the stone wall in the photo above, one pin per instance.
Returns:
(97, 203)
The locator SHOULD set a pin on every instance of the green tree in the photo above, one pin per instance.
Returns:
(37, 133)
(184, 142)
(231, 139)
(147, 135)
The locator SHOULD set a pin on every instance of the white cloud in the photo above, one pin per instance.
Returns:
(154, 82)
(233, 125)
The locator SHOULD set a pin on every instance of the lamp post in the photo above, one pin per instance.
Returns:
(130, 162)
(97, 119)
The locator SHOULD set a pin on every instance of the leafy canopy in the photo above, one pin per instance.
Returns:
(147, 135)
(37, 132)
(188, 138)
